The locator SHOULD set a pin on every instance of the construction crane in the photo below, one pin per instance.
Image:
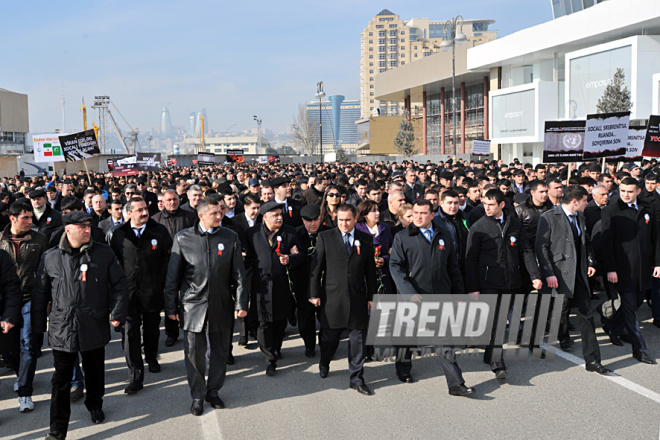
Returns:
(102, 104)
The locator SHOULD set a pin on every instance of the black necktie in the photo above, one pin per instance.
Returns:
(576, 234)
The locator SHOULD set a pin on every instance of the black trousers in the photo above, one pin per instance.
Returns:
(150, 322)
(581, 301)
(307, 316)
(202, 349)
(270, 336)
(626, 318)
(329, 341)
(450, 368)
(60, 401)
(497, 362)
(403, 363)
(171, 328)
(252, 319)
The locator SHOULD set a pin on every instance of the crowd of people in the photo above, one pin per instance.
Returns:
(259, 247)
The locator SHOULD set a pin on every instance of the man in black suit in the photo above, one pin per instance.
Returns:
(631, 254)
(307, 236)
(424, 262)
(291, 209)
(274, 252)
(116, 217)
(343, 283)
(251, 216)
(593, 211)
(566, 262)
(497, 246)
(413, 191)
(44, 218)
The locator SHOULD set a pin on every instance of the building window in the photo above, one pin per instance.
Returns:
(403, 32)
(393, 56)
(415, 55)
(415, 47)
(381, 56)
(371, 49)
(371, 57)
(381, 64)
(381, 33)
(386, 19)
(392, 26)
(371, 101)
(371, 78)
(381, 41)
(371, 93)
(381, 48)
(403, 62)
(371, 86)
(392, 48)
(379, 26)
(392, 40)
(382, 70)
(371, 41)
(403, 48)
(392, 63)
(403, 55)
(371, 34)
(371, 72)
(426, 54)
(371, 64)
(392, 33)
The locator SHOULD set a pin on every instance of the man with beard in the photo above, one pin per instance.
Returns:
(274, 253)
(143, 248)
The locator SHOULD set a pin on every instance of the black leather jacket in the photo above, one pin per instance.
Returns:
(27, 260)
(203, 269)
(529, 215)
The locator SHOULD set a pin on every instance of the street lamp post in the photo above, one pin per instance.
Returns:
(258, 134)
(320, 94)
(460, 39)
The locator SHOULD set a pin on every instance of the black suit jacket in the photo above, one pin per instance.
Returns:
(303, 272)
(151, 200)
(348, 280)
(630, 244)
(414, 193)
(592, 214)
(240, 221)
(292, 215)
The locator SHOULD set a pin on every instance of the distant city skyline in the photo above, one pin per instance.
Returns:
(192, 56)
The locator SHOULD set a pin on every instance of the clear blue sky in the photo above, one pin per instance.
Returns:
(236, 59)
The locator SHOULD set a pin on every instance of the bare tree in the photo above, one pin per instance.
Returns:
(304, 130)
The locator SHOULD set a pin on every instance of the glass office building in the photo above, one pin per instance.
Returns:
(338, 117)
(567, 7)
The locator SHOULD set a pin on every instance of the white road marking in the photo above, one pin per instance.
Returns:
(632, 386)
(210, 423)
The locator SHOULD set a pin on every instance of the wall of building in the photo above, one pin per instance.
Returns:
(8, 166)
(382, 131)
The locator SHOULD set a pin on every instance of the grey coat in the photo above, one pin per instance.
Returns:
(200, 279)
(557, 254)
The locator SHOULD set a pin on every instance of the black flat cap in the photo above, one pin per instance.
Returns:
(270, 206)
(37, 193)
(278, 181)
(310, 212)
(76, 218)
(520, 198)
(303, 180)
(141, 180)
(447, 175)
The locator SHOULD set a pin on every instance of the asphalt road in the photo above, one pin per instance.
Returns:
(543, 400)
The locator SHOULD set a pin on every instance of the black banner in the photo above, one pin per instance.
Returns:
(235, 156)
(148, 162)
(124, 166)
(563, 141)
(652, 141)
(78, 146)
(205, 159)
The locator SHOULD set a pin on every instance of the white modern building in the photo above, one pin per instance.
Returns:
(559, 70)
(220, 144)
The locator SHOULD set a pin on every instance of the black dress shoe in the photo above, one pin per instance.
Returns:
(216, 402)
(362, 389)
(406, 378)
(324, 370)
(644, 358)
(54, 435)
(97, 416)
(368, 358)
(293, 321)
(597, 367)
(656, 322)
(501, 374)
(270, 371)
(461, 390)
(154, 367)
(243, 341)
(310, 353)
(230, 359)
(614, 339)
(170, 341)
(566, 345)
(133, 387)
(197, 407)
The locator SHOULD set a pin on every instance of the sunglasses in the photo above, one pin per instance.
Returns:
(130, 194)
(334, 195)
